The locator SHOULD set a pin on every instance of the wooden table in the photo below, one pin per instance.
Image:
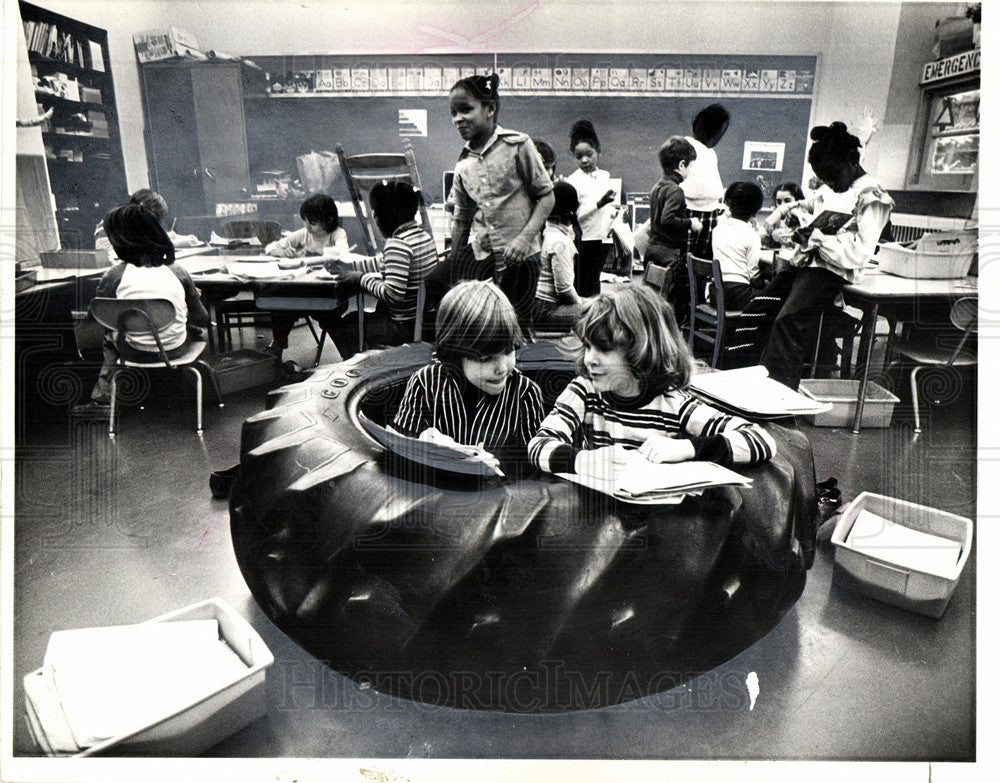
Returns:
(899, 298)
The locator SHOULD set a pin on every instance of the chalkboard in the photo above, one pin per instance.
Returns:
(635, 104)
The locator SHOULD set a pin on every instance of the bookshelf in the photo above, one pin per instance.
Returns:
(71, 75)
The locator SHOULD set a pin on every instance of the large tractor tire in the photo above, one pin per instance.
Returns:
(527, 594)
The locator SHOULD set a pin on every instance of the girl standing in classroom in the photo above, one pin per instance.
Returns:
(596, 212)
(631, 395)
(824, 263)
(502, 197)
(703, 187)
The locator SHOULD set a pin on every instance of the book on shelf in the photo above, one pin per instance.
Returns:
(48, 40)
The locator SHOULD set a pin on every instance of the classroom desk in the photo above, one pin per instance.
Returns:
(899, 298)
(304, 293)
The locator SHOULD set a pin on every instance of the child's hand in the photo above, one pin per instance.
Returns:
(476, 453)
(338, 267)
(696, 225)
(603, 463)
(281, 252)
(607, 198)
(782, 235)
(517, 250)
(660, 448)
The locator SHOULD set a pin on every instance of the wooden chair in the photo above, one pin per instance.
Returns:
(240, 311)
(748, 333)
(363, 172)
(708, 322)
(147, 316)
(940, 349)
(418, 323)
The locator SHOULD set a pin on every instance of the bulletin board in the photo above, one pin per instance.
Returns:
(635, 101)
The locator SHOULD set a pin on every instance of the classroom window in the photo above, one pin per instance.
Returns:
(949, 158)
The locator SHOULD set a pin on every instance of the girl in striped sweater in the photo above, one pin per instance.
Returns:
(471, 396)
(631, 393)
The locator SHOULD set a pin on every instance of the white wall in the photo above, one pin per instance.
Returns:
(855, 41)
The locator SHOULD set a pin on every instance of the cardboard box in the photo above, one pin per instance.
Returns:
(208, 721)
(843, 397)
(162, 44)
(881, 574)
(75, 259)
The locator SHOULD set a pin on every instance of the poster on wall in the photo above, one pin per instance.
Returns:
(763, 155)
(413, 122)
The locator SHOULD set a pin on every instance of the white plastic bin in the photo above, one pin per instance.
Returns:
(924, 264)
(884, 577)
(206, 722)
(842, 394)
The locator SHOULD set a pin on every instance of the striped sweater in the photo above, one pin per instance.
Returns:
(584, 418)
(408, 256)
(438, 395)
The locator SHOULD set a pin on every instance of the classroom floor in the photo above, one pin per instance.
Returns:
(112, 532)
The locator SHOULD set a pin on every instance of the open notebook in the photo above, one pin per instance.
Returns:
(423, 452)
(749, 391)
(645, 482)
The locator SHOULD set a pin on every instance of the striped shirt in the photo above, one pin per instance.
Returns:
(408, 256)
(584, 418)
(438, 395)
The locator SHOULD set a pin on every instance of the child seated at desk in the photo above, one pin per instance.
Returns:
(631, 393)
(394, 279)
(156, 205)
(736, 245)
(321, 235)
(472, 396)
(147, 271)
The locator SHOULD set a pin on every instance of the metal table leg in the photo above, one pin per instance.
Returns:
(867, 344)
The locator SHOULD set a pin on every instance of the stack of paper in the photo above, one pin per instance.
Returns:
(903, 546)
(262, 270)
(750, 391)
(100, 683)
(642, 481)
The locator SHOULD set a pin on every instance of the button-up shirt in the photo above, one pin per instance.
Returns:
(496, 189)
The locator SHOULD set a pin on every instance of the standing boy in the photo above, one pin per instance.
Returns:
(669, 223)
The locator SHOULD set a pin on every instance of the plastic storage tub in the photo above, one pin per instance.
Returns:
(842, 394)
(242, 369)
(883, 577)
(925, 264)
(208, 721)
